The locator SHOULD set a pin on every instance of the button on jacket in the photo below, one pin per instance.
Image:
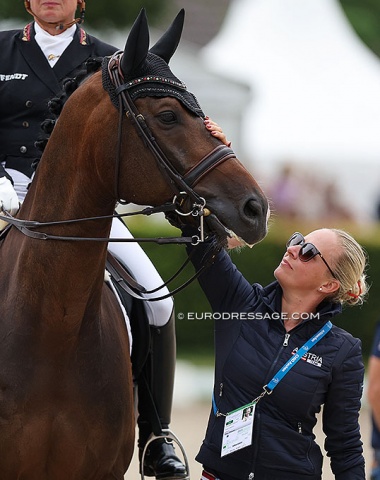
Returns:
(27, 83)
(251, 345)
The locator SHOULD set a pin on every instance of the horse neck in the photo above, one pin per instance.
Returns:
(71, 182)
(67, 189)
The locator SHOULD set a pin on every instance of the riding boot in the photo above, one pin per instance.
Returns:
(155, 397)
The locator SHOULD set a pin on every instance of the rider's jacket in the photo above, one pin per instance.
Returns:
(251, 345)
(27, 83)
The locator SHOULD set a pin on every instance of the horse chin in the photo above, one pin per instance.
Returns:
(234, 241)
(226, 237)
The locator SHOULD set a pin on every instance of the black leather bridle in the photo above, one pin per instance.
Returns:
(180, 184)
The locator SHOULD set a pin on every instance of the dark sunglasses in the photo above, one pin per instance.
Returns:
(308, 251)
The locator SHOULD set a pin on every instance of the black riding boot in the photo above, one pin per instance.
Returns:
(160, 458)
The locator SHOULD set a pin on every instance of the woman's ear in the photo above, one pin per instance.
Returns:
(329, 287)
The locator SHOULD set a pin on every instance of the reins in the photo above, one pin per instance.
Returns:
(133, 288)
(118, 273)
(27, 227)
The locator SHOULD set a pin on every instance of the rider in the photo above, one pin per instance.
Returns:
(34, 63)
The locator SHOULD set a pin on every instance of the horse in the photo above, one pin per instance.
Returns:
(66, 402)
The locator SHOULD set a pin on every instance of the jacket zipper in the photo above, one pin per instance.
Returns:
(257, 412)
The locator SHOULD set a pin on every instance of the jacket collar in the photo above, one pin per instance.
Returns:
(75, 54)
(272, 295)
(28, 34)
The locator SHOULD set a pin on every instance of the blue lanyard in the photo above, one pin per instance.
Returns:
(268, 389)
(296, 357)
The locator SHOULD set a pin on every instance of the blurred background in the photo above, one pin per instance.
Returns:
(295, 86)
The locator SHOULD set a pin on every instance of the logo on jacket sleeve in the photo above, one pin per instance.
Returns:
(311, 358)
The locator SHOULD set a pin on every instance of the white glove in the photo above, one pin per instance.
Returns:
(8, 196)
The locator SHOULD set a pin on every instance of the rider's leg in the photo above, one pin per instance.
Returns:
(20, 181)
(139, 265)
(160, 460)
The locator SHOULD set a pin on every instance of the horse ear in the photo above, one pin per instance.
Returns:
(137, 46)
(168, 43)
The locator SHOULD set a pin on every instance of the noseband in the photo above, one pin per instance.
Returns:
(180, 184)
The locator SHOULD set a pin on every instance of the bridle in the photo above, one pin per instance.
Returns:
(180, 184)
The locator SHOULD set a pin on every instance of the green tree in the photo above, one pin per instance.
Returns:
(364, 16)
(121, 13)
(99, 14)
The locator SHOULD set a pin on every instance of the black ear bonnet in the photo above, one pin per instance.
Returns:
(147, 72)
(156, 79)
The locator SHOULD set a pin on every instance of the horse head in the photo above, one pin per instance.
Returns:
(174, 119)
(159, 152)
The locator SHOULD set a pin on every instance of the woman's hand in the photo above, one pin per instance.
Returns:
(216, 131)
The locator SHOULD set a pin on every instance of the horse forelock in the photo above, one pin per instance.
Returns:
(153, 78)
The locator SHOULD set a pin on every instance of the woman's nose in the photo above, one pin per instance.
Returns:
(293, 250)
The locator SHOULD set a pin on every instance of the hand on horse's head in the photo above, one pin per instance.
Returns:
(216, 131)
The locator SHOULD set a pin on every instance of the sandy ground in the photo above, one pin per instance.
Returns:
(189, 420)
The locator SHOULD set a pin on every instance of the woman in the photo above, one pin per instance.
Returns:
(260, 362)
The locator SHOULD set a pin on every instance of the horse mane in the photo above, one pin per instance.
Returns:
(56, 104)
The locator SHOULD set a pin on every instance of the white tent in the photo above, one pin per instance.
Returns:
(315, 92)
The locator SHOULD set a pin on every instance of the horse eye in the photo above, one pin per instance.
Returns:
(168, 117)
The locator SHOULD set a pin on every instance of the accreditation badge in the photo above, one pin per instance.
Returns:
(238, 429)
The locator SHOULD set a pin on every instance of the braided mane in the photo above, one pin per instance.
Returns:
(57, 103)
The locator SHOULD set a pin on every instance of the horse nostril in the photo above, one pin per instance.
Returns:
(253, 208)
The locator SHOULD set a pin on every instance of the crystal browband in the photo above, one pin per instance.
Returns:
(156, 79)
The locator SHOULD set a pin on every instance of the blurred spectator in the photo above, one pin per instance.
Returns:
(299, 192)
(285, 192)
(333, 205)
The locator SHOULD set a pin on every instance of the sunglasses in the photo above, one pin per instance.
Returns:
(308, 251)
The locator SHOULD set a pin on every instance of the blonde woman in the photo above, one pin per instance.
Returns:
(278, 352)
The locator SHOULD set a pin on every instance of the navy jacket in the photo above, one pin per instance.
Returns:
(27, 83)
(250, 347)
